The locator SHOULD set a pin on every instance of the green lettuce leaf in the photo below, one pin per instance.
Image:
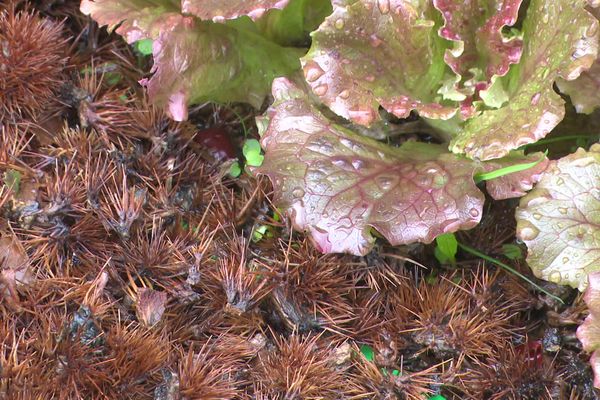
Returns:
(559, 220)
(198, 60)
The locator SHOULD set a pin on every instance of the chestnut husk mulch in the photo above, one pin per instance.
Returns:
(133, 266)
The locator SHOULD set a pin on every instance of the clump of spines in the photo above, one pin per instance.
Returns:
(32, 63)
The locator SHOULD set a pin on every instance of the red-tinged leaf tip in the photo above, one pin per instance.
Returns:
(588, 332)
(338, 185)
(219, 10)
(360, 60)
(559, 220)
(481, 50)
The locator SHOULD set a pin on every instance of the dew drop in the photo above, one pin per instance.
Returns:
(560, 181)
(555, 277)
(474, 212)
(529, 232)
(562, 210)
(565, 260)
(320, 90)
(537, 216)
(339, 23)
(545, 18)
(384, 182)
(358, 164)
(313, 72)
(298, 192)
(344, 94)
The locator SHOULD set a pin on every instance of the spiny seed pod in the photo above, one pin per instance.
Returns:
(298, 368)
(32, 63)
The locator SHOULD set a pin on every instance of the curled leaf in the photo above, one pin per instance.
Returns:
(585, 90)
(559, 220)
(560, 40)
(481, 50)
(134, 19)
(197, 60)
(338, 185)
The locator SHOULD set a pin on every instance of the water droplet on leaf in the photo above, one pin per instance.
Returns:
(320, 90)
(298, 192)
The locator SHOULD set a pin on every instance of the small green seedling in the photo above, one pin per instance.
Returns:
(512, 251)
(252, 153)
(259, 233)
(144, 47)
(235, 170)
(446, 248)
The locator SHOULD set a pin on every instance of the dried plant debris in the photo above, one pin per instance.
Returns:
(134, 266)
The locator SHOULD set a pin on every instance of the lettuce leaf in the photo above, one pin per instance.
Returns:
(560, 40)
(339, 185)
(481, 51)
(387, 53)
(559, 220)
(197, 60)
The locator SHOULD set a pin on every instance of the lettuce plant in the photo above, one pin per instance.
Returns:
(559, 220)
(213, 50)
(339, 185)
(465, 61)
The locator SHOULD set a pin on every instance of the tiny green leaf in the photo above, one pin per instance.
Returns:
(512, 251)
(252, 153)
(259, 233)
(144, 46)
(446, 248)
(367, 352)
(235, 170)
(437, 397)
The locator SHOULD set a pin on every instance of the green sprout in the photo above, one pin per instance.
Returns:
(446, 248)
(252, 153)
(144, 47)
